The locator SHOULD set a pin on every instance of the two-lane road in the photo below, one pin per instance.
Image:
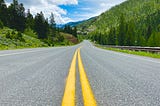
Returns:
(34, 77)
(38, 77)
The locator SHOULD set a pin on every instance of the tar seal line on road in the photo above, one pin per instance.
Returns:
(2, 55)
(70, 88)
(69, 93)
(88, 96)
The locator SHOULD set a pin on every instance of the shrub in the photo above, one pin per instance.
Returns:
(20, 37)
(1, 24)
(30, 32)
(8, 35)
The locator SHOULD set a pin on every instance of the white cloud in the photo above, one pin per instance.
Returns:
(85, 8)
(48, 6)
(63, 2)
(103, 4)
(47, 9)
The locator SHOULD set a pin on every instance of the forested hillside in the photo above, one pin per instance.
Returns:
(134, 22)
(16, 24)
(84, 26)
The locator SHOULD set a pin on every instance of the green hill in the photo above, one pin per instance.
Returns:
(84, 25)
(12, 39)
(134, 22)
(20, 29)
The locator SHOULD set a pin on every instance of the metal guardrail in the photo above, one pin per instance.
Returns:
(136, 48)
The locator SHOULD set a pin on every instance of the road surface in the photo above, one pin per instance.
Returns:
(39, 77)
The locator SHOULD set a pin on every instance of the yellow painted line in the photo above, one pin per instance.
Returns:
(88, 96)
(69, 93)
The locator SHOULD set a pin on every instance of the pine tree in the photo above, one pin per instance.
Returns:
(52, 21)
(122, 32)
(3, 12)
(75, 31)
(151, 40)
(52, 29)
(130, 34)
(149, 32)
(154, 39)
(112, 36)
(21, 17)
(41, 26)
(1, 24)
(16, 13)
(29, 20)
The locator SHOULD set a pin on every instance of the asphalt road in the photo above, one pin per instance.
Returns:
(37, 77)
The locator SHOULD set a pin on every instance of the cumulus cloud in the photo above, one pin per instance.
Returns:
(100, 6)
(63, 2)
(84, 9)
(48, 6)
(103, 4)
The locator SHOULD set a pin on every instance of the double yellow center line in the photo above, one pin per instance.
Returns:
(70, 89)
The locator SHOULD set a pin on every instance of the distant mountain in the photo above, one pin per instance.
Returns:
(73, 24)
(60, 25)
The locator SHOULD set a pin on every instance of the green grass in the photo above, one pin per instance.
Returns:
(18, 43)
(9, 39)
(140, 53)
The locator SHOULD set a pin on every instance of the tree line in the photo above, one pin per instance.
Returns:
(15, 17)
(133, 22)
(70, 30)
(131, 33)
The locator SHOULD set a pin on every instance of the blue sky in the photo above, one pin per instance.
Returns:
(69, 10)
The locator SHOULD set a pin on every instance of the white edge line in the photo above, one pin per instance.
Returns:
(17, 53)
(132, 56)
